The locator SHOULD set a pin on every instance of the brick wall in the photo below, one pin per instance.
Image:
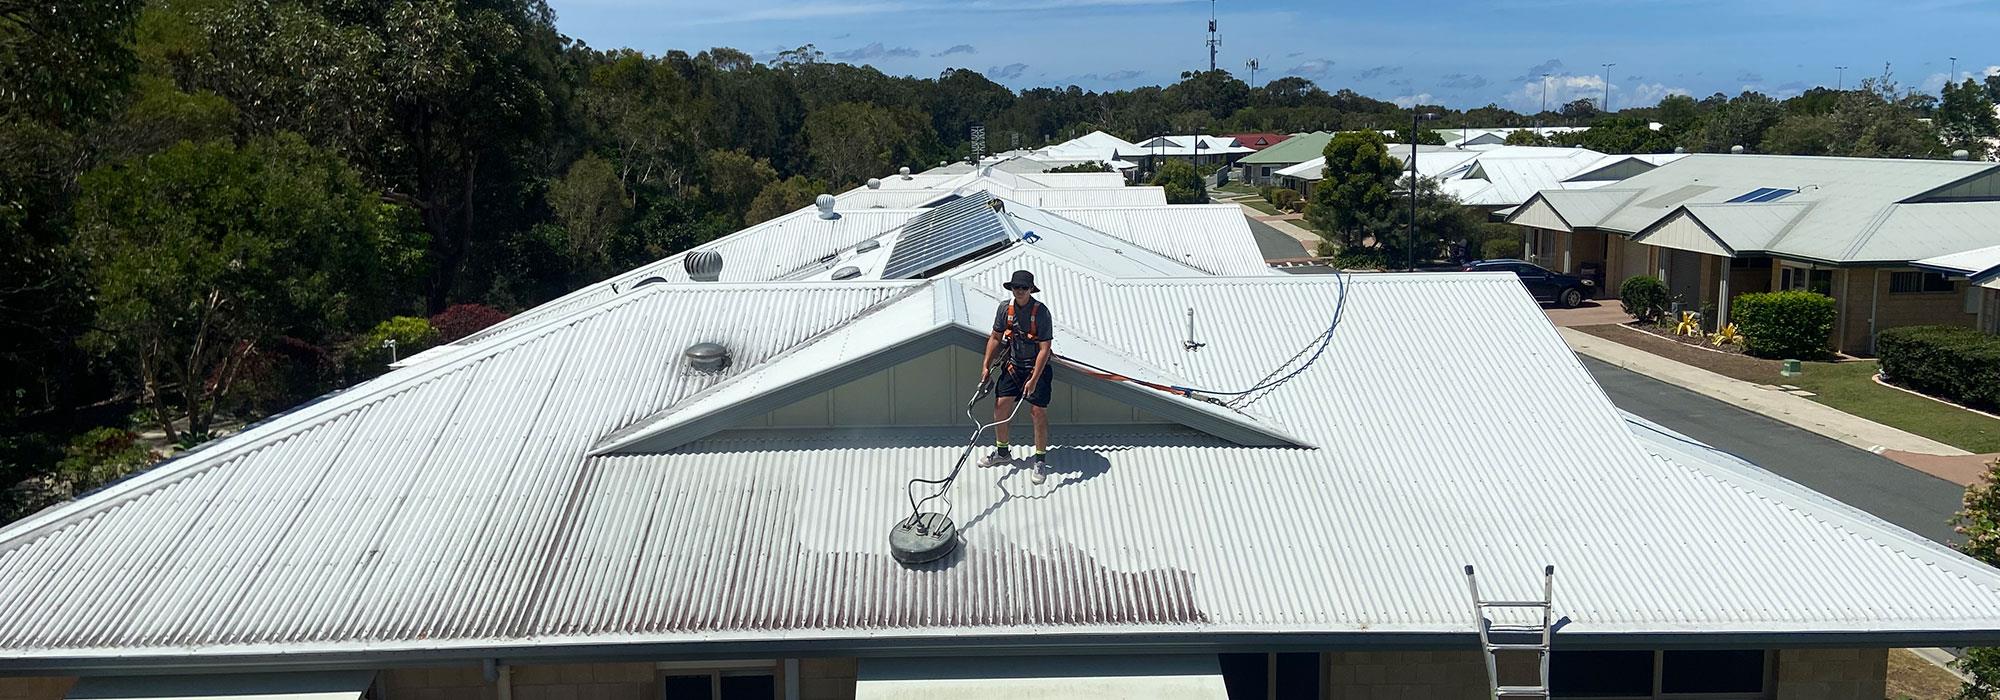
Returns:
(827, 679)
(626, 681)
(435, 683)
(1832, 674)
(35, 687)
(1891, 310)
(1419, 675)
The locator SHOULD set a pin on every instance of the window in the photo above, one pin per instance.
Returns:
(719, 680)
(1288, 676)
(1750, 263)
(1914, 282)
(1654, 674)
(1801, 278)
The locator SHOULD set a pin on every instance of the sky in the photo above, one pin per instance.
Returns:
(1453, 52)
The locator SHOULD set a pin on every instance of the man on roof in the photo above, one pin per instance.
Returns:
(1022, 331)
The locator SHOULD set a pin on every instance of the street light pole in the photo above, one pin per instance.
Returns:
(1607, 87)
(1840, 78)
(1545, 103)
(1410, 244)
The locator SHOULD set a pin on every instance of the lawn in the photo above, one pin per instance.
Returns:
(1234, 188)
(1912, 678)
(1847, 386)
(1259, 204)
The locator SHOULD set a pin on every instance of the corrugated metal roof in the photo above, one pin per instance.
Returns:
(1979, 264)
(1214, 238)
(1297, 149)
(452, 505)
(1858, 214)
(1748, 226)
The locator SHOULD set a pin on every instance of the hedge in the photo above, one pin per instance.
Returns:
(1950, 362)
(1645, 298)
(1789, 324)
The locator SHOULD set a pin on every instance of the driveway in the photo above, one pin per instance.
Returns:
(1591, 313)
(1911, 499)
(1274, 244)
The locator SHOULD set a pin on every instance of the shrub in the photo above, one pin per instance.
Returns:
(460, 320)
(1645, 298)
(1789, 324)
(1266, 191)
(1960, 364)
(1360, 259)
(366, 356)
(99, 457)
(1978, 523)
(1285, 199)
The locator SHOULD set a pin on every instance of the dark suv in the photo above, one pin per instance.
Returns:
(1567, 291)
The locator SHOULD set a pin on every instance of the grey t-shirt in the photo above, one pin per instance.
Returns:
(1041, 327)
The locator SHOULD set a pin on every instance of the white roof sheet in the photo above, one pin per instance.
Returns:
(454, 505)
(1167, 677)
(1978, 264)
(1857, 212)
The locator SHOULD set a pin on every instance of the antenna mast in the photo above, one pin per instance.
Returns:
(1212, 41)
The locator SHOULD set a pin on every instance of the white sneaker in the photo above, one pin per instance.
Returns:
(998, 457)
(1039, 473)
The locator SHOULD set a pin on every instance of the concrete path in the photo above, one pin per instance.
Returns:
(1591, 313)
(1910, 499)
(1798, 411)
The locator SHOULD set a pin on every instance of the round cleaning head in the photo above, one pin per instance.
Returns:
(923, 538)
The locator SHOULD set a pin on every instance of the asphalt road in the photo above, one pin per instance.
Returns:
(1273, 243)
(1909, 498)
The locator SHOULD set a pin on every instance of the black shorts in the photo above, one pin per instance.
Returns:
(1011, 379)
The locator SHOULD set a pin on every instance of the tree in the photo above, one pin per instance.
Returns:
(1965, 118)
(1089, 166)
(1801, 135)
(1583, 110)
(65, 63)
(852, 141)
(1182, 183)
(1355, 197)
(1623, 135)
(1525, 137)
(1864, 123)
(590, 203)
(1425, 136)
(1215, 92)
(1979, 522)
(202, 252)
(733, 179)
(783, 197)
(1741, 121)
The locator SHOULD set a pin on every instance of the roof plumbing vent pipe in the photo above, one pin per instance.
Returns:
(874, 183)
(825, 204)
(706, 357)
(701, 266)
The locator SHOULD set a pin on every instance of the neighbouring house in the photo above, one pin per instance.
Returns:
(1199, 150)
(1981, 269)
(681, 483)
(1094, 147)
(1258, 142)
(1260, 168)
(1501, 177)
(1715, 226)
(1489, 137)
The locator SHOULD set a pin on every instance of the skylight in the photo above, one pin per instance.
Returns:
(1763, 194)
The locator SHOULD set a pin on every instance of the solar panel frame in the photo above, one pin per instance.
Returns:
(945, 235)
(1774, 195)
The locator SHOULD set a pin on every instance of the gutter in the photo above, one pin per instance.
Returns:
(1004, 645)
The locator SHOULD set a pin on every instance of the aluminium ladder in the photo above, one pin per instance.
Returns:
(1487, 628)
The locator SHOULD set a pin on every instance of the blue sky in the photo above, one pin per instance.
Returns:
(1463, 54)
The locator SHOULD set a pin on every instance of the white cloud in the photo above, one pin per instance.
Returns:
(1424, 98)
(1933, 83)
(1563, 89)
(1314, 69)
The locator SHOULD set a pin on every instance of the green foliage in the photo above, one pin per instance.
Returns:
(1965, 118)
(369, 353)
(1355, 197)
(1182, 183)
(201, 252)
(590, 203)
(1644, 298)
(1425, 137)
(1623, 135)
(1951, 362)
(1524, 137)
(101, 456)
(1793, 324)
(1285, 199)
(853, 141)
(1978, 523)
(1864, 123)
(1488, 240)
(782, 197)
(1084, 167)
(65, 63)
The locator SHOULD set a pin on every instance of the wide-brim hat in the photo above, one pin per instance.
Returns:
(1023, 279)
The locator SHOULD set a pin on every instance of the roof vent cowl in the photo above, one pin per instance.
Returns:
(904, 171)
(707, 357)
(874, 183)
(703, 265)
(1961, 154)
(825, 204)
(1738, 149)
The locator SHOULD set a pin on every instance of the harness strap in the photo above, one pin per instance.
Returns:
(1013, 324)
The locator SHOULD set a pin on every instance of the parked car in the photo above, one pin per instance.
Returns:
(1548, 287)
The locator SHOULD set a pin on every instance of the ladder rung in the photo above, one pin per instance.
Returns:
(1514, 604)
(1516, 647)
(1524, 691)
(1515, 629)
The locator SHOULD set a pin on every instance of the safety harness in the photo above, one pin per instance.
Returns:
(1007, 337)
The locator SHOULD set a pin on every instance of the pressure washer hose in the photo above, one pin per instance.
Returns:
(985, 387)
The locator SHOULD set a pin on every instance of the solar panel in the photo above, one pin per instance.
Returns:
(945, 235)
(1762, 194)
